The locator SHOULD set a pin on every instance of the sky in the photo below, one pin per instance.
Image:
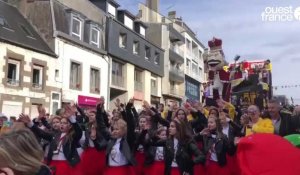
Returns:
(245, 31)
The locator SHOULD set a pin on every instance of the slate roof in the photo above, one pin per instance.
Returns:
(16, 30)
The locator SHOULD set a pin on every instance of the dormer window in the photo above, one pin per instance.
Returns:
(128, 22)
(142, 31)
(76, 27)
(4, 23)
(111, 9)
(95, 36)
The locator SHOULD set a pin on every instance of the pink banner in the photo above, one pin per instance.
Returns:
(87, 101)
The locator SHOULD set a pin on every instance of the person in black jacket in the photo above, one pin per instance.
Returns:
(149, 122)
(284, 123)
(180, 151)
(21, 154)
(119, 150)
(62, 154)
(215, 146)
(93, 144)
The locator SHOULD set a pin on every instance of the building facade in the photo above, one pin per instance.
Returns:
(184, 69)
(76, 32)
(27, 77)
(137, 65)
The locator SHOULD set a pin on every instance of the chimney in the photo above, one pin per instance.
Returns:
(172, 14)
(153, 5)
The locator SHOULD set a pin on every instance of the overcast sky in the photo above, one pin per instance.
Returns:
(239, 24)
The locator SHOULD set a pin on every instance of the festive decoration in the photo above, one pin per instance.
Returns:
(218, 78)
(294, 139)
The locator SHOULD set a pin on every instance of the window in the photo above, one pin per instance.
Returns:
(153, 83)
(55, 102)
(117, 74)
(4, 23)
(13, 72)
(37, 77)
(95, 37)
(136, 48)
(117, 69)
(111, 9)
(195, 69)
(75, 76)
(122, 40)
(188, 45)
(200, 55)
(76, 27)
(56, 74)
(147, 53)
(142, 31)
(153, 86)
(95, 80)
(138, 85)
(188, 62)
(128, 22)
(156, 58)
(26, 31)
(200, 71)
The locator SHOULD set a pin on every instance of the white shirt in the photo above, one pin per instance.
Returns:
(140, 148)
(226, 130)
(116, 157)
(60, 155)
(212, 151)
(174, 163)
(159, 155)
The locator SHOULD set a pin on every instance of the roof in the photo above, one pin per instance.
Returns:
(18, 31)
(114, 3)
(128, 13)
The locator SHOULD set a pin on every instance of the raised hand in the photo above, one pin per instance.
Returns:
(146, 105)
(69, 111)
(118, 103)
(24, 118)
(101, 102)
(205, 132)
(6, 171)
(41, 111)
(131, 100)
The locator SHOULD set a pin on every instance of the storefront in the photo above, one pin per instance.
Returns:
(87, 102)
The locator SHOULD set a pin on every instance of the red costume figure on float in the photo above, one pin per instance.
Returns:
(218, 78)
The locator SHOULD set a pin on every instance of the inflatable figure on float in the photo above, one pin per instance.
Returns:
(218, 85)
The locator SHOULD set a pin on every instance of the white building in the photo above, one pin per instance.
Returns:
(27, 76)
(75, 30)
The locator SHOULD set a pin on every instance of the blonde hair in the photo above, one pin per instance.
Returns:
(54, 117)
(20, 151)
(121, 124)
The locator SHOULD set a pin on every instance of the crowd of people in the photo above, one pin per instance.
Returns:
(173, 140)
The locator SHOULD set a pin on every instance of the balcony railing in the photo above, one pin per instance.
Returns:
(177, 50)
(13, 82)
(154, 90)
(37, 85)
(117, 80)
(177, 71)
(138, 86)
(75, 86)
